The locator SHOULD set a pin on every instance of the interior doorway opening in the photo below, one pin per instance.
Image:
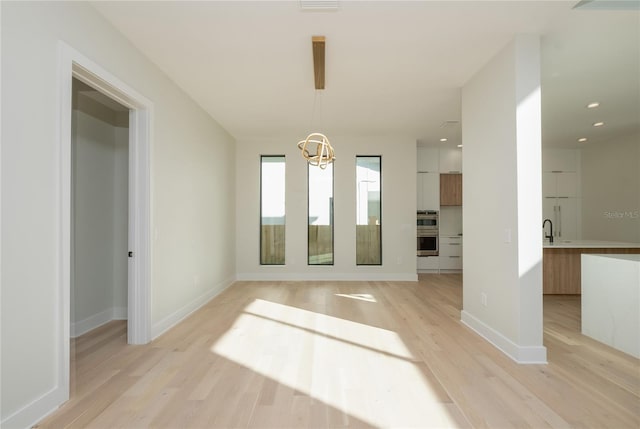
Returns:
(99, 209)
(139, 110)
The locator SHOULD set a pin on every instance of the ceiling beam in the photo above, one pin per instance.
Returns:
(318, 60)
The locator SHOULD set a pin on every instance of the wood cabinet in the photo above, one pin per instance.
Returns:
(562, 268)
(450, 189)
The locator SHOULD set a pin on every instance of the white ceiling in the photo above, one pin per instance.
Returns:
(392, 68)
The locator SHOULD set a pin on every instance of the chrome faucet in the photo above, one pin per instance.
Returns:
(550, 236)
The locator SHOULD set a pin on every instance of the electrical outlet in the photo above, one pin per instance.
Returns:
(483, 299)
(399, 260)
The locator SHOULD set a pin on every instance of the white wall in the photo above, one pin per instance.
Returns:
(502, 201)
(192, 185)
(94, 221)
(100, 219)
(398, 210)
(611, 190)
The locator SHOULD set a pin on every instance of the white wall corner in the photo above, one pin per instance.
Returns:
(92, 322)
(520, 354)
(119, 313)
(176, 317)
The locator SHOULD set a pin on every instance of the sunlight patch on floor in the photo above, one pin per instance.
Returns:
(359, 296)
(367, 372)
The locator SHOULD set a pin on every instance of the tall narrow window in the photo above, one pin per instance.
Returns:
(320, 230)
(368, 210)
(272, 210)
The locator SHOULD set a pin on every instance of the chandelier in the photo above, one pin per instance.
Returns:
(324, 153)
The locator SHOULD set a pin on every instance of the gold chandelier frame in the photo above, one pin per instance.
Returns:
(324, 154)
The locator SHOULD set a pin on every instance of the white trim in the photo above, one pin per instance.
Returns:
(352, 277)
(32, 413)
(520, 354)
(83, 326)
(74, 64)
(179, 315)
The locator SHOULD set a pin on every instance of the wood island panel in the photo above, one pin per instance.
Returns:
(561, 267)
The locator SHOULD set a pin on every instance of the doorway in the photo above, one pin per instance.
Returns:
(99, 209)
(139, 110)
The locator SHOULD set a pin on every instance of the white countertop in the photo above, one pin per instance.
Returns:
(595, 244)
(621, 257)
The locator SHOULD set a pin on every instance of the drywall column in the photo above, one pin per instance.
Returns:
(502, 297)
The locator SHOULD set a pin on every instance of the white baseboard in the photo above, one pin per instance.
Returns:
(32, 413)
(399, 277)
(520, 354)
(120, 313)
(176, 317)
(92, 322)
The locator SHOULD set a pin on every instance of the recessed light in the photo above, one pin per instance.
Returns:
(593, 105)
(443, 139)
(598, 124)
(582, 139)
(459, 145)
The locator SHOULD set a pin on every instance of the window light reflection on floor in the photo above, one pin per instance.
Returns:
(365, 371)
(361, 296)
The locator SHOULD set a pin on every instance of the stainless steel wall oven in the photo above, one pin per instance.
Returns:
(427, 233)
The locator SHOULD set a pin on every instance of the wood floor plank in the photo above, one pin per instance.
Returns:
(346, 354)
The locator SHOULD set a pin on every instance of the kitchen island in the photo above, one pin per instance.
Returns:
(561, 265)
(611, 300)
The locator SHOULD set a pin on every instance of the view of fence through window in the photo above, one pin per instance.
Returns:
(368, 210)
(320, 229)
(272, 210)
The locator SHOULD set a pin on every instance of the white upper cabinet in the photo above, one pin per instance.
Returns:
(427, 159)
(563, 213)
(428, 191)
(450, 160)
(560, 160)
(560, 184)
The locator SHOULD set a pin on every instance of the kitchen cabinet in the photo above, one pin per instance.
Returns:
(563, 212)
(560, 203)
(560, 184)
(450, 253)
(427, 160)
(450, 160)
(428, 263)
(428, 187)
(450, 189)
(565, 160)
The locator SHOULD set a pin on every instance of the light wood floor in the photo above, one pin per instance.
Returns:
(346, 354)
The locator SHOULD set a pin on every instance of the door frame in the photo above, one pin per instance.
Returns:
(73, 64)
